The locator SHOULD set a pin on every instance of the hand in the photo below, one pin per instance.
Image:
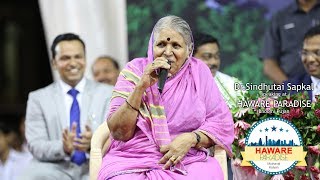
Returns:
(83, 142)
(177, 149)
(68, 139)
(149, 76)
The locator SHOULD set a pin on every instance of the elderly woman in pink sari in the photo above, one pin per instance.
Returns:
(165, 135)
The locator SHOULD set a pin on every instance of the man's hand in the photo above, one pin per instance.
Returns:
(177, 149)
(83, 142)
(68, 139)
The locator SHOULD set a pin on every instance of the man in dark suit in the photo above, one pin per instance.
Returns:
(61, 117)
(310, 57)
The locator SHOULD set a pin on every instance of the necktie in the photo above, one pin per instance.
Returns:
(78, 157)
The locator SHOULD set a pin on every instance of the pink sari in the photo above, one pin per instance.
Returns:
(190, 102)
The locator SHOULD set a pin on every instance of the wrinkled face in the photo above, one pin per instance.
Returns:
(310, 55)
(171, 45)
(70, 61)
(209, 54)
(104, 71)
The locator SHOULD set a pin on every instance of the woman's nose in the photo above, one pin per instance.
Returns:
(168, 51)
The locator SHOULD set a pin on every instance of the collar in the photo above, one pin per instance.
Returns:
(315, 81)
(217, 73)
(12, 156)
(66, 87)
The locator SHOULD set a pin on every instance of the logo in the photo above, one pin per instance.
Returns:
(273, 146)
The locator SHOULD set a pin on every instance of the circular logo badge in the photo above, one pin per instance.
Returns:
(273, 146)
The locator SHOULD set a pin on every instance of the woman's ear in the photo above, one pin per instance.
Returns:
(190, 50)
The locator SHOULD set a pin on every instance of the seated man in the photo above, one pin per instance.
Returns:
(310, 57)
(61, 117)
(106, 70)
(207, 49)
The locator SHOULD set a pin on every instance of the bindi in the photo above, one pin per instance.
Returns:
(168, 39)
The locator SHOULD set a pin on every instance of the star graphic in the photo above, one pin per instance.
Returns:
(266, 129)
(281, 129)
(273, 128)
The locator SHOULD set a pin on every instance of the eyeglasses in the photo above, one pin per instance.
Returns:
(208, 56)
(314, 53)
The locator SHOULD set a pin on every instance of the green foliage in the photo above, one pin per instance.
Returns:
(239, 31)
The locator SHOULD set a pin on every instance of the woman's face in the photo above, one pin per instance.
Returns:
(170, 45)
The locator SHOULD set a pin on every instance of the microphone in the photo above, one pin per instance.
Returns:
(163, 74)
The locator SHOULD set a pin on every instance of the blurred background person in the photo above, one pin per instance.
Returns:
(207, 49)
(59, 117)
(105, 69)
(10, 159)
(17, 138)
(310, 58)
(283, 39)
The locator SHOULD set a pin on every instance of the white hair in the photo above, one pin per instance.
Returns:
(178, 24)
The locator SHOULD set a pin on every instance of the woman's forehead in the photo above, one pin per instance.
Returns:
(168, 35)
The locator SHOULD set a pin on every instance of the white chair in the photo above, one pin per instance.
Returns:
(221, 156)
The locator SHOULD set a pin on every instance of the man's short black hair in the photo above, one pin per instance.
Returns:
(65, 37)
(201, 39)
(314, 31)
(114, 61)
(5, 128)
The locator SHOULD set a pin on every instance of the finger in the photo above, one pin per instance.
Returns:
(164, 149)
(167, 165)
(165, 158)
(64, 136)
(176, 161)
(88, 129)
(150, 70)
(161, 59)
(64, 140)
(74, 127)
(81, 147)
(161, 64)
(81, 141)
(65, 132)
(87, 134)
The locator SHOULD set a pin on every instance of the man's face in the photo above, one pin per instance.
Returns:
(70, 61)
(209, 54)
(310, 55)
(104, 71)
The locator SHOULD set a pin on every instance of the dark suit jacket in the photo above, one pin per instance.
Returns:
(305, 79)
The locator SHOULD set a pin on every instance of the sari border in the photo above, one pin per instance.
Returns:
(130, 171)
(218, 142)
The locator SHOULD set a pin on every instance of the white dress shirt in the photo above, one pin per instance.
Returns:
(225, 84)
(15, 164)
(68, 99)
(316, 87)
